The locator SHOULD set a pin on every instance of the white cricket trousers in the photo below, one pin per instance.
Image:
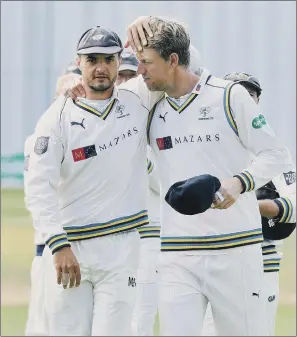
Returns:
(271, 280)
(271, 295)
(231, 280)
(37, 324)
(147, 298)
(103, 303)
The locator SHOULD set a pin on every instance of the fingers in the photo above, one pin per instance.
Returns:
(130, 38)
(225, 204)
(67, 268)
(141, 34)
(135, 38)
(222, 199)
(71, 278)
(81, 90)
(219, 197)
(59, 273)
(65, 276)
(126, 44)
(77, 275)
(147, 27)
(76, 91)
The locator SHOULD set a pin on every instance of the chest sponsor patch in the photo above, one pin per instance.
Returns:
(290, 177)
(83, 153)
(164, 143)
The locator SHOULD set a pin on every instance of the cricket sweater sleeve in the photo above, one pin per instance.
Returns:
(43, 177)
(248, 123)
(285, 184)
(27, 151)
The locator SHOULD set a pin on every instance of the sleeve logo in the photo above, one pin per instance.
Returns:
(290, 177)
(258, 122)
(41, 145)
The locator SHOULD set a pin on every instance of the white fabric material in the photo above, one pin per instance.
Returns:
(102, 305)
(37, 323)
(230, 281)
(145, 309)
(271, 295)
(55, 195)
(28, 148)
(154, 191)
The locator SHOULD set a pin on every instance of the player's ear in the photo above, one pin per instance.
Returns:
(173, 60)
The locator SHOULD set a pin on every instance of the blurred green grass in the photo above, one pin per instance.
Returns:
(17, 251)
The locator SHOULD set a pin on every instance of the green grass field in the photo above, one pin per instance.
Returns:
(17, 251)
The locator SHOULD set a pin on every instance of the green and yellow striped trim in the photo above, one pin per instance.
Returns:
(271, 265)
(227, 108)
(181, 108)
(110, 227)
(96, 112)
(57, 242)
(269, 250)
(247, 181)
(212, 242)
(286, 207)
(149, 232)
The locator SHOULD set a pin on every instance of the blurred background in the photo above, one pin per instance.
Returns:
(38, 40)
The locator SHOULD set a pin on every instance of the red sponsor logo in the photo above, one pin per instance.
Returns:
(78, 154)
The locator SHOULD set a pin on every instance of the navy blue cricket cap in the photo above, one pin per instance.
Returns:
(244, 78)
(98, 40)
(129, 61)
(194, 195)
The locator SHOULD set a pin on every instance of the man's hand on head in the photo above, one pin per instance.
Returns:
(136, 35)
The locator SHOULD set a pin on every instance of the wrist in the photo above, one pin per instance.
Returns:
(246, 180)
(239, 184)
(57, 242)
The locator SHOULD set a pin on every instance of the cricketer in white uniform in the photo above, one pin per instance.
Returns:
(146, 302)
(282, 189)
(214, 256)
(37, 324)
(87, 189)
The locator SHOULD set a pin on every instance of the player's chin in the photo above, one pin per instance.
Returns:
(100, 86)
(152, 86)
